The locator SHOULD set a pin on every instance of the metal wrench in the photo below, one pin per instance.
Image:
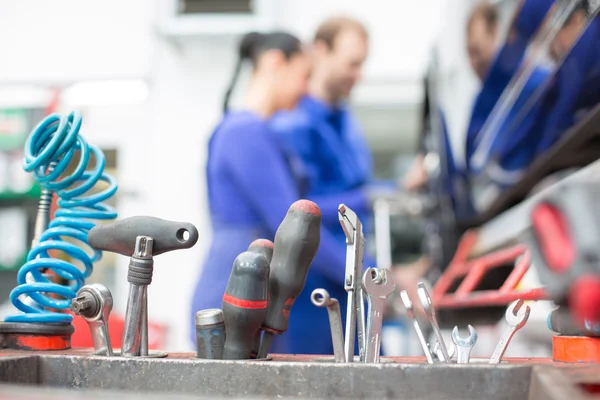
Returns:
(430, 311)
(321, 298)
(94, 303)
(437, 352)
(516, 317)
(464, 345)
(378, 285)
(355, 249)
(411, 314)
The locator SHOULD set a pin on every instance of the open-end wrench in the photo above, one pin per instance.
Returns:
(430, 311)
(94, 303)
(516, 317)
(355, 250)
(411, 314)
(464, 345)
(378, 285)
(437, 352)
(321, 298)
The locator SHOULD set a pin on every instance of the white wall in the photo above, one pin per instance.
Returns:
(162, 141)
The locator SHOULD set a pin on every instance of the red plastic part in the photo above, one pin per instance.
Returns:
(553, 235)
(585, 298)
(36, 342)
(472, 271)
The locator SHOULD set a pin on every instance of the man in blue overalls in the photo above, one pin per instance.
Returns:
(335, 160)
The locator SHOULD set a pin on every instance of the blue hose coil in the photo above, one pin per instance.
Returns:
(48, 151)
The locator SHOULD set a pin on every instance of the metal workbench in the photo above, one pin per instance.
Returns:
(77, 375)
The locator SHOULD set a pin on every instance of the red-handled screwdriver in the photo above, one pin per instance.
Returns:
(296, 243)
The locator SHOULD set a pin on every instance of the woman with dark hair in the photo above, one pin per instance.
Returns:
(251, 184)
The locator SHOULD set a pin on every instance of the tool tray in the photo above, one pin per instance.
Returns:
(181, 376)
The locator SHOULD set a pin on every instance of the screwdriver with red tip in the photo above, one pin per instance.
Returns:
(296, 243)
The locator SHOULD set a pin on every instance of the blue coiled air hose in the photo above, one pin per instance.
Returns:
(48, 152)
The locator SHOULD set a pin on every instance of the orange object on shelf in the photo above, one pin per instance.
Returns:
(576, 349)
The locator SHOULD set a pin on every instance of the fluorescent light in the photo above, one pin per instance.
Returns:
(105, 93)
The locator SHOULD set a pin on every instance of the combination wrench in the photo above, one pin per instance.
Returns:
(411, 314)
(430, 311)
(516, 317)
(355, 250)
(378, 285)
(321, 298)
(94, 303)
(464, 345)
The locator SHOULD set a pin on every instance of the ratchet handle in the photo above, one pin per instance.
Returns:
(119, 237)
(296, 243)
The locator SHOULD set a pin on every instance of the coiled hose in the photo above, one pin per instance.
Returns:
(48, 153)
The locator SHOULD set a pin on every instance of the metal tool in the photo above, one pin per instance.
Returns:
(411, 314)
(321, 298)
(94, 303)
(296, 243)
(210, 334)
(430, 312)
(464, 345)
(437, 352)
(245, 304)
(142, 238)
(355, 249)
(516, 317)
(264, 247)
(378, 285)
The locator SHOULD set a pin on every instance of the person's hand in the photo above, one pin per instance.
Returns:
(416, 177)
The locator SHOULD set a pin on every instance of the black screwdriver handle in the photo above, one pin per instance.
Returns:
(119, 237)
(296, 243)
(264, 247)
(245, 304)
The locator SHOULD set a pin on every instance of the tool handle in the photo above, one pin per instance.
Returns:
(245, 304)
(264, 247)
(119, 237)
(296, 243)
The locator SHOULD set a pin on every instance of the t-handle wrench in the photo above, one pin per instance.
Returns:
(378, 284)
(321, 298)
(94, 303)
(464, 345)
(411, 314)
(141, 238)
(516, 317)
(430, 311)
(355, 250)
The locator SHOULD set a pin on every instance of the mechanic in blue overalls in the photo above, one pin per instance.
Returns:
(333, 151)
(251, 185)
(491, 129)
(574, 88)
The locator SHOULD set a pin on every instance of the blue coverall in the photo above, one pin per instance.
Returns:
(250, 188)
